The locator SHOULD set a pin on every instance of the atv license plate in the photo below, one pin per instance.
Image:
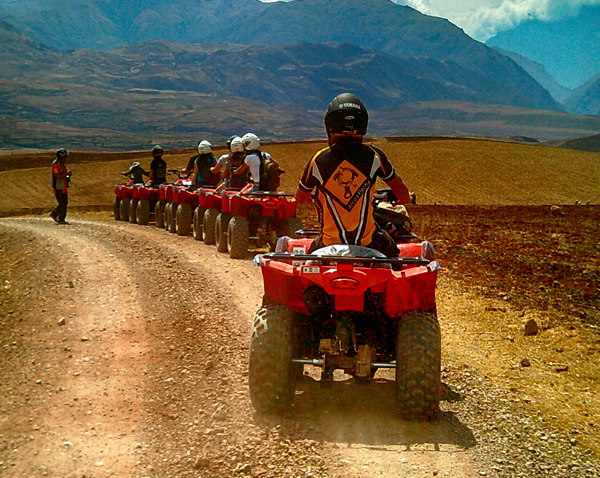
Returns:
(310, 270)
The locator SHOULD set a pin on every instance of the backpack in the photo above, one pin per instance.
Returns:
(236, 181)
(269, 173)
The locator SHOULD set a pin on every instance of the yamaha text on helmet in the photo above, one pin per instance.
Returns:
(346, 115)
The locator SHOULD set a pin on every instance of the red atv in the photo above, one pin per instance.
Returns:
(259, 216)
(130, 200)
(163, 209)
(123, 195)
(205, 214)
(349, 308)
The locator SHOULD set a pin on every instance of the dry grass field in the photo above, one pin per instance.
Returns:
(441, 171)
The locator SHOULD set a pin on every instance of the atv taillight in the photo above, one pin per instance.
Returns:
(344, 283)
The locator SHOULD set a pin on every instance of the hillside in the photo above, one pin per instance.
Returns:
(377, 24)
(587, 143)
(539, 73)
(585, 100)
(173, 93)
(394, 29)
(441, 171)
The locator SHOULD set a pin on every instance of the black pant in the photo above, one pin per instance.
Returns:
(60, 211)
(381, 241)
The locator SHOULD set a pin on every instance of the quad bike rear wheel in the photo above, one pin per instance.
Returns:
(183, 219)
(170, 217)
(197, 223)
(167, 215)
(221, 224)
(117, 209)
(133, 211)
(272, 376)
(124, 208)
(418, 366)
(238, 238)
(143, 212)
(209, 225)
(159, 213)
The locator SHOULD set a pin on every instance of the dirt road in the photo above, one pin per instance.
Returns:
(124, 353)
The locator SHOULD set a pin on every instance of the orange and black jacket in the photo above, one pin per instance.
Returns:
(343, 178)
(59, 183)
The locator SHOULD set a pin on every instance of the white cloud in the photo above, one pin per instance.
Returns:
(484, 23)
(482, 19)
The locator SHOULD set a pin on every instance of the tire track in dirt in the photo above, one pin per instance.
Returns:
(84, 412)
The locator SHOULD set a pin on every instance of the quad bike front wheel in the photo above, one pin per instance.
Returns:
(238, 237)
(117, 209)
(159, 213)
(418, 366)
(124, 208)
(221, 224)
(197, 223)
(143, 212)
(183, 219)
(209, 225)
(272, 377)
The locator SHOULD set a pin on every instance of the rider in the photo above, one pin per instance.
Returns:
(202, 163)
(261, 164)
(219, 168)
(158, 167)
(342, 180)
(135, 173)
(235, 175)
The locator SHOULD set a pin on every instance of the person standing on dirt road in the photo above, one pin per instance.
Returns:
(158, 167)
(60, 186)
(341, 180)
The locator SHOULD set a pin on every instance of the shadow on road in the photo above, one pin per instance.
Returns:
(364, 414)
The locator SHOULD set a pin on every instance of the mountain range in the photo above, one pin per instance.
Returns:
(240, 62)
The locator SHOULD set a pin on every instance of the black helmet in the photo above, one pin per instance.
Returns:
(157, 150)
(346, 114)
(61, 152)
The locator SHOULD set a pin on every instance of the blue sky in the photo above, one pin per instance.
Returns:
(482, 19)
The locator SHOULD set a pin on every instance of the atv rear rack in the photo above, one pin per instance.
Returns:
(283, 256)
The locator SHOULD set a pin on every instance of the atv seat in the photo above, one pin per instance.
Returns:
(348, 250)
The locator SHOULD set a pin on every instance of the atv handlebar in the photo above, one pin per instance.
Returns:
(385, 194)
(267, 193)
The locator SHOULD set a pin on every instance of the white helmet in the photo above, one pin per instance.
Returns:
(251, 142)
(204, 147)
(236, 145)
